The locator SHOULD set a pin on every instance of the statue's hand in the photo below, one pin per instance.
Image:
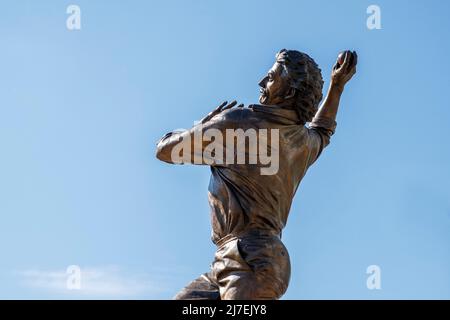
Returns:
(224, 106)
(344, 70)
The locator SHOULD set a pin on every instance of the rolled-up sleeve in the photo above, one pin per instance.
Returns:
(320, 131)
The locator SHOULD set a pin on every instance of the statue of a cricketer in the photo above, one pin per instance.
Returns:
(249, 201)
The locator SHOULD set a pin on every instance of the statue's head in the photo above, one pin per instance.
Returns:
(294, 81)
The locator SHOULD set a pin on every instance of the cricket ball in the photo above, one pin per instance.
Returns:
(341, 58)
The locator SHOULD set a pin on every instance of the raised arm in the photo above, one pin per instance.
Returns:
(342, 72)
(323, 124)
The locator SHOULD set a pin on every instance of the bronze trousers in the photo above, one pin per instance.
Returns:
(244, 268)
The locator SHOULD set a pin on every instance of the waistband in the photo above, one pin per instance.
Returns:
(248, 234)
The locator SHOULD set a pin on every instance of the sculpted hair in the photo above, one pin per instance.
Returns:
(306, 77)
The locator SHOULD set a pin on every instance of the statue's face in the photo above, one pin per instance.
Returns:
(275, 86)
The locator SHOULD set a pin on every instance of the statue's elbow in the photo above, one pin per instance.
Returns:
(163, 154)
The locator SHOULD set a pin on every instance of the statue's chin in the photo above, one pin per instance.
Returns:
(263, 99)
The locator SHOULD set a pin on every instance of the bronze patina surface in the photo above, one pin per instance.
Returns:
(248, 209)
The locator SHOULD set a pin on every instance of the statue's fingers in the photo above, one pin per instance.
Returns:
(213, 113)
(208, 116)
(350, 74)
(336, 66)
(346, 60)
(240, 106)
(222, 104)
(216, 110)
(355, 58)
(231, 105)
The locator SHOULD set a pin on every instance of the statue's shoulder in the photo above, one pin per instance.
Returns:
(237, 113)
(246, 116)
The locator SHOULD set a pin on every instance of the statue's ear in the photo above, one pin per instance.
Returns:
(291, 93)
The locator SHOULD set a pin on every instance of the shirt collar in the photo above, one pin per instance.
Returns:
(276, 111)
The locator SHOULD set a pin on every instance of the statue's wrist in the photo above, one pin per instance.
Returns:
(336, 87)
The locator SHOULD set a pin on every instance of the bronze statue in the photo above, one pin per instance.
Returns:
(249, 208)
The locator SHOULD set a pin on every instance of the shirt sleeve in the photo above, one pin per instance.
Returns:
(320, 131)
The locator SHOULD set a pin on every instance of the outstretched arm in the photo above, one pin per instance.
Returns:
(323, 124)
(340, 75)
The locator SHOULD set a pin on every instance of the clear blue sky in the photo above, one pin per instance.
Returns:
(80, 112)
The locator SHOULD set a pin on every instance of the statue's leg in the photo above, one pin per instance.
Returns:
(256, 268)
(202, 288)
(249, 285)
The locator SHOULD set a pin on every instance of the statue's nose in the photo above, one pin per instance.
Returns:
(263, 82)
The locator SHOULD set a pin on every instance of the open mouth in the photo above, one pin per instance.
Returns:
(263, 96)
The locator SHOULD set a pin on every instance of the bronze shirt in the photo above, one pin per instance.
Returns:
(243, 200)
